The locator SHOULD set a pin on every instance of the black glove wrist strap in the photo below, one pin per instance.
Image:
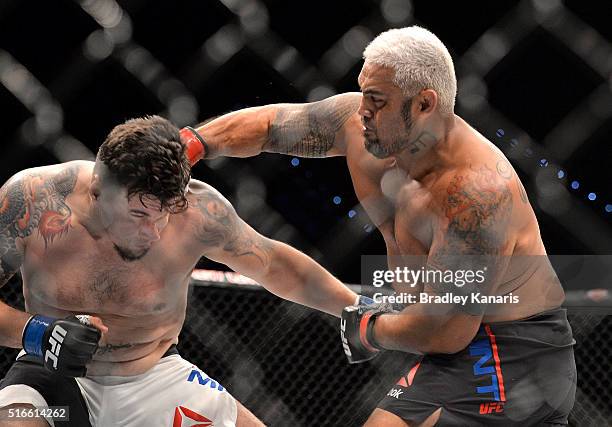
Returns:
(366, 331)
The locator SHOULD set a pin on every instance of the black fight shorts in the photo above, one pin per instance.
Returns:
(519, 373)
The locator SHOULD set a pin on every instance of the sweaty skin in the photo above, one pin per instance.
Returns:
(439, 192)
(69, 269)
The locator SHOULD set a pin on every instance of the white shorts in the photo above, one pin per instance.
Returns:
(173, 393)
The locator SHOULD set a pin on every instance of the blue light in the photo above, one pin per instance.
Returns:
(561, 174)
(575, 185)
(592, 196)
(608, 208)
(295, 161)
(500, 132)
(352, 213)
(543, 163)
(337, 200)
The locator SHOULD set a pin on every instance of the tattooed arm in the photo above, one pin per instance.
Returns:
(32, 205)
(316, 129)
(473, 210)
(14, 229)
(281, 269)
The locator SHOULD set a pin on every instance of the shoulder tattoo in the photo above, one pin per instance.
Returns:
(478, 208)
(222, 228)
(34, 203)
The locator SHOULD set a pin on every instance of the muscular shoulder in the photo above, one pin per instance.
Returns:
(201, 195)
(41, 183)
(61, 178)
(473, 206)
(34, 200)
(213, 214)
(221, 234)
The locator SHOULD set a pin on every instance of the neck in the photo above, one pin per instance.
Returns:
(425, 152)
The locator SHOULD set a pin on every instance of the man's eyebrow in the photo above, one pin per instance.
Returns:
(372, 92)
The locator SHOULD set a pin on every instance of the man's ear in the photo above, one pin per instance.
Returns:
(428, 100)
(94, 186)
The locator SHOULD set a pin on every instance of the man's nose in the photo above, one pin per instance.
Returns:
(363, 111)
(151, 231)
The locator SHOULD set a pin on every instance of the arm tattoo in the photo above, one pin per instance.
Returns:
(503, 169)
(309, 130)
(222, 228)
(33, 202)
(478, 209)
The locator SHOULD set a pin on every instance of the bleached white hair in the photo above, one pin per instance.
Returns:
(420, 60)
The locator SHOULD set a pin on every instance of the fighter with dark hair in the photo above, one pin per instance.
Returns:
(106, 250)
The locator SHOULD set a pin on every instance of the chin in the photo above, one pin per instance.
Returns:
(130, 255)
(376, 149)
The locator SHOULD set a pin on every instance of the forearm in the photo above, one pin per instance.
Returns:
(402, 332)
(242, 133)
(426, 328)
(315, 129)
(295, 276)
(12, 322)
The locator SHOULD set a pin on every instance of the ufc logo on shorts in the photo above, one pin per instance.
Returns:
(345, 346)
(488, 408)
(56, 339)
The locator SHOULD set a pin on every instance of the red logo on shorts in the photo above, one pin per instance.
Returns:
(406, 380)
(190, 415)
(489, 408)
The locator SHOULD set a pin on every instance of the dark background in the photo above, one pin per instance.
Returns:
(537, 70)
(534, 77)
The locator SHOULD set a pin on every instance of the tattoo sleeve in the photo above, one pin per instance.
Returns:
(309, 130)
(477, 207)
(28, 204)
(222, 230)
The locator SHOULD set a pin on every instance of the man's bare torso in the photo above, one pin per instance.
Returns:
(66, 270)
(401, 208)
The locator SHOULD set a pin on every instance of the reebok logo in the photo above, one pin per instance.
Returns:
(395, 392)
(180, 413)
(55, 340)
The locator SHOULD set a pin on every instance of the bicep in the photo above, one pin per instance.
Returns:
(316, 129)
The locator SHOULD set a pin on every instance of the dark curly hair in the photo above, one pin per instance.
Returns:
(146, 156)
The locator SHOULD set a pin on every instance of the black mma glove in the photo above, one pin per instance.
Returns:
(65, 345)
(356, 326)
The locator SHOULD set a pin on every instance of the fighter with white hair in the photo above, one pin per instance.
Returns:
(498, 352)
